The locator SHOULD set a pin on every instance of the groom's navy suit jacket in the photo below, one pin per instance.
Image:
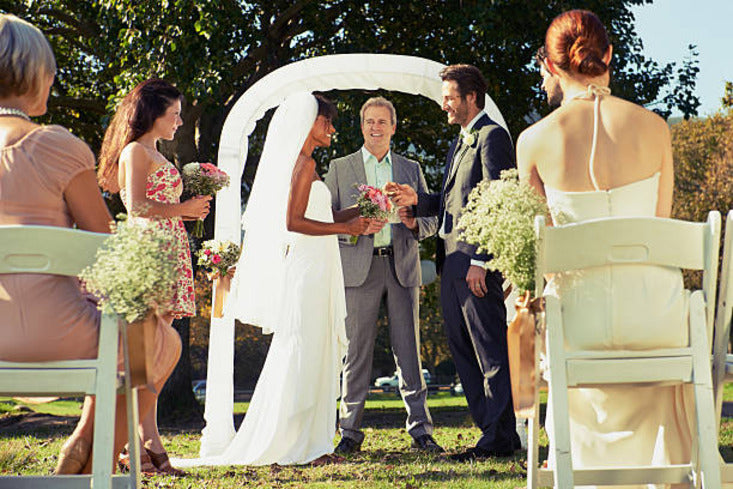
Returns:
(491, 152)
(475, 326)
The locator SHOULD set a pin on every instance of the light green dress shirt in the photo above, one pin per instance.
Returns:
(378, 173)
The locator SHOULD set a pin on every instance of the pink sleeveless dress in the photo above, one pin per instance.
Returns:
(43, 317)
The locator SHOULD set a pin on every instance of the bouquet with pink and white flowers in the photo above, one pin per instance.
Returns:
(218, 258)
(203, 179)
(373, 203)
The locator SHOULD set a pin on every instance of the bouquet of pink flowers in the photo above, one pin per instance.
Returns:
(218, 258)
(372, 203)
(203, 179)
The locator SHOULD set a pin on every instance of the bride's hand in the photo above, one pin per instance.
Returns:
(357, 226)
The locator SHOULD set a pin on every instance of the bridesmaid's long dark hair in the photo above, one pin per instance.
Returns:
(134, 117)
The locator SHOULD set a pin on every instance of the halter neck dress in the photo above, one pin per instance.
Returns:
(631, 307)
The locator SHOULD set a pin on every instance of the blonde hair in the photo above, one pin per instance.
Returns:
(379, 102)
(26, 58)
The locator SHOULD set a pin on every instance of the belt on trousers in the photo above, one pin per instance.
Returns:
(383, 251)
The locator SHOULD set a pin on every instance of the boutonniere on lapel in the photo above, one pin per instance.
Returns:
(469, 137)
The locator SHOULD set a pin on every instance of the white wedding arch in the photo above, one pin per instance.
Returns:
(407, 74)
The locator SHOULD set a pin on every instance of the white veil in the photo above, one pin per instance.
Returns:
(258, 284)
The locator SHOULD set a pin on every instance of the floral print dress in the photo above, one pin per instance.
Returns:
(165, 185)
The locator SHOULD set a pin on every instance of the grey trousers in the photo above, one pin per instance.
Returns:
(362, 306)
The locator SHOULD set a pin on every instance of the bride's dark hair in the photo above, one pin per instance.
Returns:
(326, 108)
(576, 42)
(134, 117)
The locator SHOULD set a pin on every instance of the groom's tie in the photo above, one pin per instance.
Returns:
(454, 158)
(453, 162)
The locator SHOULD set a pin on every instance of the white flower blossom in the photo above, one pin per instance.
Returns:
(135, 270)
(499, 218)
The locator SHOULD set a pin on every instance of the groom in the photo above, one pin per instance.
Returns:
(471, 296)
(382, 265)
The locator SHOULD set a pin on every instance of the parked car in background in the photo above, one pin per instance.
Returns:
(199, 390)
(392, 383)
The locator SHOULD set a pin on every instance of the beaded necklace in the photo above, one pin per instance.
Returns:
(9, 111)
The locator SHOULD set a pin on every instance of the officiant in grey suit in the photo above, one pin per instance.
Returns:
(381, 265)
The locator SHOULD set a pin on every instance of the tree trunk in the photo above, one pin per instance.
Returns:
(177, 405)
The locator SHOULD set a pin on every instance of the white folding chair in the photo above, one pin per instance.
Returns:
(62, 251)
(653, 241)
(722, 360)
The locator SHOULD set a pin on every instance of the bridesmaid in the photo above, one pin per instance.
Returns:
(150, 187)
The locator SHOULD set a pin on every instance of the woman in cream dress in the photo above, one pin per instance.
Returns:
(601, 156)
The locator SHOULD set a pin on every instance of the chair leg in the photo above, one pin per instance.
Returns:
(533, 425)
(106, 400)
(559, 400)
(533, 440)
(133, 421)
(709, 464)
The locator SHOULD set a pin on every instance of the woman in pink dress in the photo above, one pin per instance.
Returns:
(150, 187)
(47, 178)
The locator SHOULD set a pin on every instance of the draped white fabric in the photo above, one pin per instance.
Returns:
(407, 74)
(258, 285)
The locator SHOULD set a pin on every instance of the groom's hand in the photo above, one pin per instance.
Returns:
(407, 218)
(476, 280)
(401, 194)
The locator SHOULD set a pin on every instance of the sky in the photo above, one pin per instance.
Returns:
(667, 27)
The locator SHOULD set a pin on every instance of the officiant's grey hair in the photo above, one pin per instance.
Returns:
(379, 102)
(26, 59)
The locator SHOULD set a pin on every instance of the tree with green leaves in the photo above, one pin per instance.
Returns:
(215, 50)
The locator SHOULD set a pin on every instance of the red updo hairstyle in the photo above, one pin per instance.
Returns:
(576, 42)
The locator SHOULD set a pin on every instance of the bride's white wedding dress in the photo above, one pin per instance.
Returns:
(292, 415)
(629, 307)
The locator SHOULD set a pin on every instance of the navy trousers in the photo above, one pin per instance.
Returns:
(476, 330)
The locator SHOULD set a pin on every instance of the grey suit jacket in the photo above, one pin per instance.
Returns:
(356, 259)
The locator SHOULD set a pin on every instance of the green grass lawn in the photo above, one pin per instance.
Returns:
(385, 461)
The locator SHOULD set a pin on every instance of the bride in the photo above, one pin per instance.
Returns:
(289, 282)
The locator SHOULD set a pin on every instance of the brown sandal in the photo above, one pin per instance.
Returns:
(163, 463)
(147, 467)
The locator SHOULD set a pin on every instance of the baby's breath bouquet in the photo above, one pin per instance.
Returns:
(135, 270)
(499, 218)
